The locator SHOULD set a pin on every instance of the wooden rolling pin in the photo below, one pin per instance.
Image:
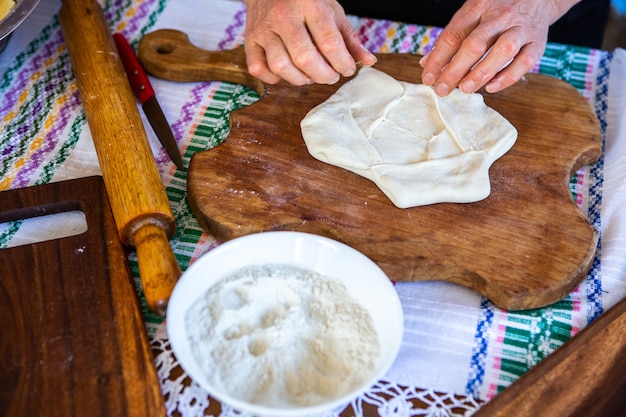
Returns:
(140, 206)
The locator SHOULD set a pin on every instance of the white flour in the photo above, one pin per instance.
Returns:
(281, 336)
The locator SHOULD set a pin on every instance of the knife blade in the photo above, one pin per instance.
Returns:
(142, 88)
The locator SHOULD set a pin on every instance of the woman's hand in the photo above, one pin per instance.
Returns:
(491, 43)
(301, 41)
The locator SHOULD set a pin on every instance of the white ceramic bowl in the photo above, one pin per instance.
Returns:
(365, 281)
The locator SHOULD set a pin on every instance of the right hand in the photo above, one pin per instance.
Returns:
(491, 43)
(302, 42)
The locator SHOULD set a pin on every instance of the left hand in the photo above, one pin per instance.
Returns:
(302, 42)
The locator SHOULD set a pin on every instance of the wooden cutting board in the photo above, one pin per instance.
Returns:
(73, 342)
(525, 246)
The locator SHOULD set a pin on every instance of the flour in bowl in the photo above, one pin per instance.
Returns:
(281, 336)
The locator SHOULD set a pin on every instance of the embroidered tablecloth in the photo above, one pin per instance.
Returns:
(459, 350)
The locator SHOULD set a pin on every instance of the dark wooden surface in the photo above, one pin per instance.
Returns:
(73, 341)
(525, 246)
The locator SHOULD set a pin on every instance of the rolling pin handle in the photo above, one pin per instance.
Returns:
(158, 267)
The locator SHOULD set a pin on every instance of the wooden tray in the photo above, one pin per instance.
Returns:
(525, 246)
(73, 342)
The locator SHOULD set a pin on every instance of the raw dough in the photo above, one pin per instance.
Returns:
(417, 147)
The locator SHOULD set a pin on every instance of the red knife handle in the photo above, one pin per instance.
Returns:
(137, 77)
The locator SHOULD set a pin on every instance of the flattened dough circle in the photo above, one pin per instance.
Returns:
(417, 147)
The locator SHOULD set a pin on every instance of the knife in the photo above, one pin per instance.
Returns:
(142, 88)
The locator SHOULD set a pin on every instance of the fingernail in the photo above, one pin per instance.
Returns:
(335, 79)
(442, 89)
(429, 78)
(371, 56)
(349, 73)
(468, 86)
(422, 61)
(493, 87)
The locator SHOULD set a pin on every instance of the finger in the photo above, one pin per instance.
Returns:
(520, 66)
(257, 64)
(356, 49)
(304, 56)
(337, 40)
(330, 43)
(493, 61)
(442, 53)
(481, 55)
(281, 62)
(285, 49)
(448, 43)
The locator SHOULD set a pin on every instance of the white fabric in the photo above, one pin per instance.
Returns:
(448, 311)
(614, 187)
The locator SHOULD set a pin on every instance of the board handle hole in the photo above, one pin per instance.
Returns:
(165, 48)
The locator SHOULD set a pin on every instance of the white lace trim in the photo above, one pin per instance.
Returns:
(185, 398)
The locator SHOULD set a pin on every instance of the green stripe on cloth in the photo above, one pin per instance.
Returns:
(532, 335)
(566, 62)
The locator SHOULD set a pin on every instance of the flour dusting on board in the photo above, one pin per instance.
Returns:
(281, 336)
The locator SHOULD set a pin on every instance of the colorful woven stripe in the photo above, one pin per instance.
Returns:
(38, 133)
(385, 36)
